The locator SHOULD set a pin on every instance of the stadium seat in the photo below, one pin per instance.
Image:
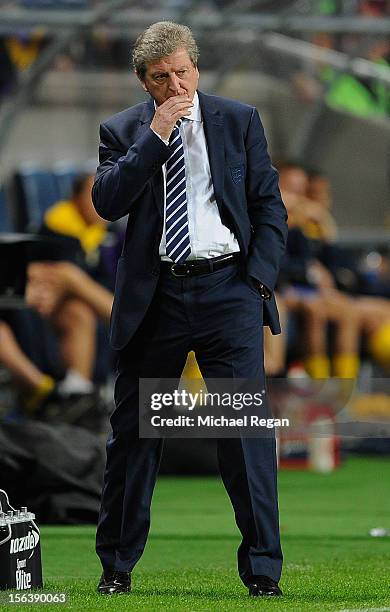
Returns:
(37, 190)
(5, 219)
(64, 177)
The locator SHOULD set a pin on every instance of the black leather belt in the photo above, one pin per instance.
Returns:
(194, 267)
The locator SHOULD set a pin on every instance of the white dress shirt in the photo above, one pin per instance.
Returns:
(208, 236)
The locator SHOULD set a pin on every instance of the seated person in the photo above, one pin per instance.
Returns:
(85, 241)
(308, 287)
(76, 234)
(85, 237)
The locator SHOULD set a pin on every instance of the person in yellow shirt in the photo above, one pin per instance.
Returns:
(77, 219)
(80, 232)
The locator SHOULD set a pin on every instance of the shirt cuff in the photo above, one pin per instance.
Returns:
(163, 139)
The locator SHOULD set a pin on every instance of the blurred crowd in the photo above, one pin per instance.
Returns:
(336, 309)
(334, 304)
(55, 348)
(104, 49)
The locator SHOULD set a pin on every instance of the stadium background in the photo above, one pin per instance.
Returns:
(318, 71)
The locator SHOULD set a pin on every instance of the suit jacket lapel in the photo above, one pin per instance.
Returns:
(157, 180)
(213, 128)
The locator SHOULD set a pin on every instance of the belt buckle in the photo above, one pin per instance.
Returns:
(178, 275)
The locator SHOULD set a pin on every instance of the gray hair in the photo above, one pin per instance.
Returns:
(159, 40)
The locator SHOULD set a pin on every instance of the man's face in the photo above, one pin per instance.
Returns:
(320, 191)
(172, 75)
(294, 180)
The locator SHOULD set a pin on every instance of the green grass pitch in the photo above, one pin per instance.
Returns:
(331, 563)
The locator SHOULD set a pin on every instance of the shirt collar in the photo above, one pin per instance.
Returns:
(195, 110)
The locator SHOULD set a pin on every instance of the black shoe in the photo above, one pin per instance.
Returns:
(263, 586)
(112, 582)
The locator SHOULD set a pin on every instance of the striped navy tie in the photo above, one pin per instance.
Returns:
(176, 221)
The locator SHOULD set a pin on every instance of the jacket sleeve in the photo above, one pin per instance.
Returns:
(266, 210)
(121, 179)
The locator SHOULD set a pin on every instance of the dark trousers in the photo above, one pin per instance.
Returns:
(219, 316)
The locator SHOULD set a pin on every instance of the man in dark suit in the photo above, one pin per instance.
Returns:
(206, 230)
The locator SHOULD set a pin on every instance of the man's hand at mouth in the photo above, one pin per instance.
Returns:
(168, 113)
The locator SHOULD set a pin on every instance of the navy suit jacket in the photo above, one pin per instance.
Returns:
(129, 181)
